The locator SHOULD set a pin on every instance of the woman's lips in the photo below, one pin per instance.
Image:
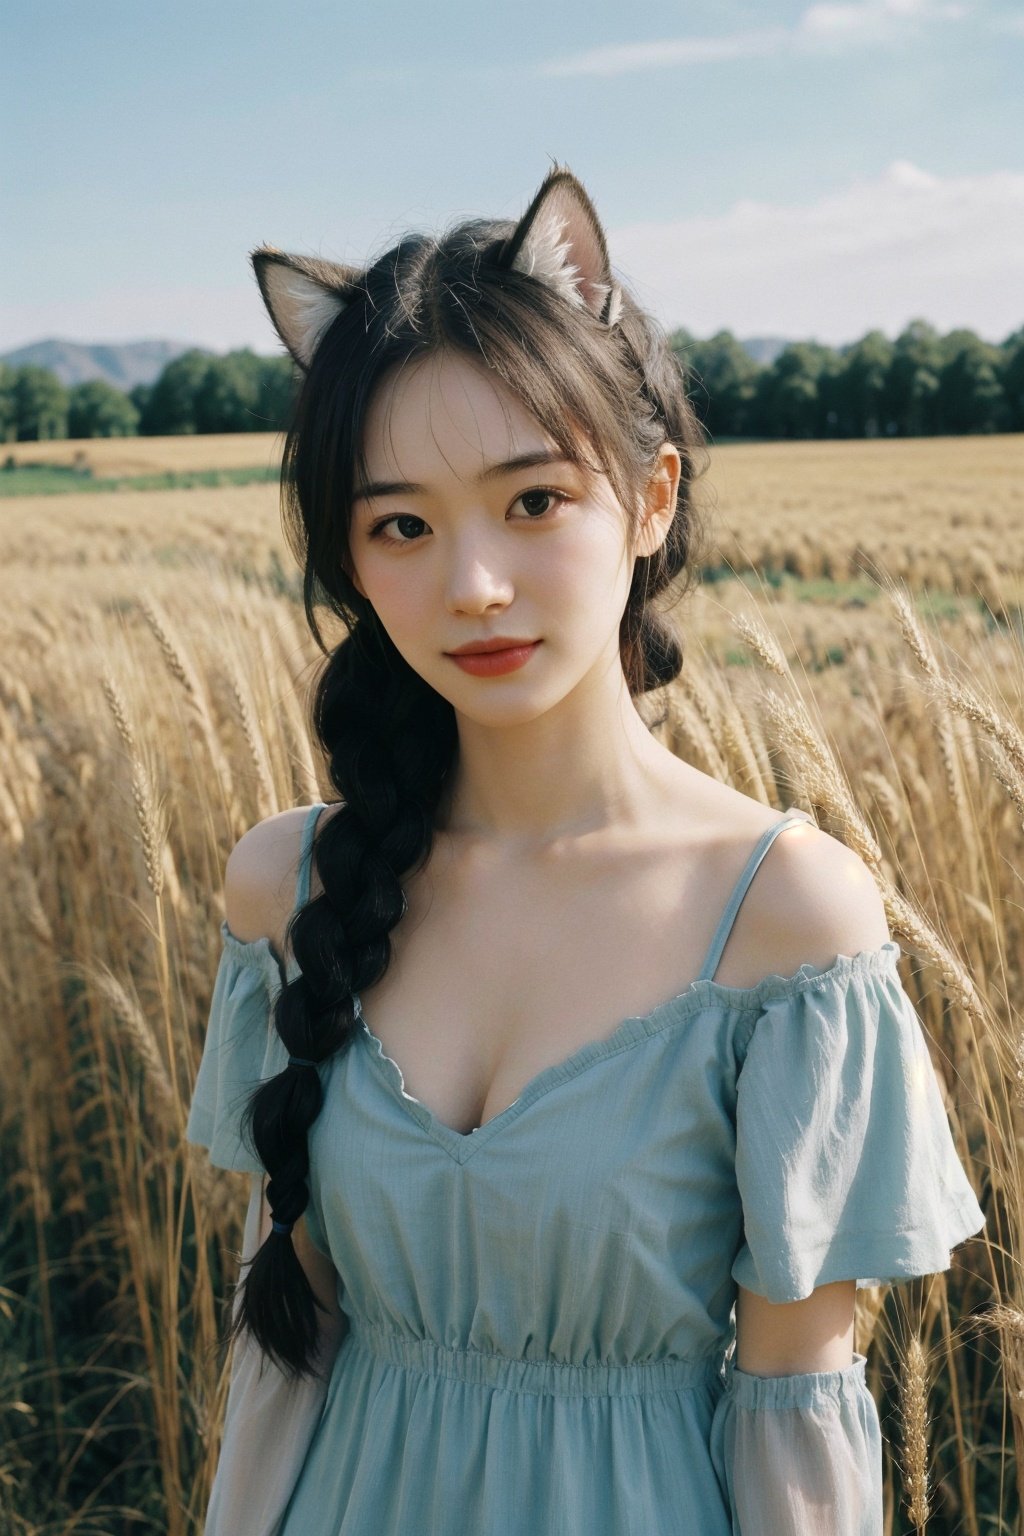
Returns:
(494, 663)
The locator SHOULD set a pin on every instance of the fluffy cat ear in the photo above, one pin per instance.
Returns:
(559, 241)
(303, 295)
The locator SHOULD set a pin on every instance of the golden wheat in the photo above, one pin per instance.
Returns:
(110, 456)
(152, 707)
(914, 1415)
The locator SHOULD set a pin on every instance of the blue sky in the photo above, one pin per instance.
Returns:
(806, 170)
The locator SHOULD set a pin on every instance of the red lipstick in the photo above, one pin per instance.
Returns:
(492, 658)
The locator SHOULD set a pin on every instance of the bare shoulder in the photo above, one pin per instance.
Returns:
(810, 898)
(815, 898)
(260, 875)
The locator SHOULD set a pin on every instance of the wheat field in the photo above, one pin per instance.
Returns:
(855, 648)
(108, 456)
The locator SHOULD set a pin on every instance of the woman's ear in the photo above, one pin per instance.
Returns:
(559, 241)
(303, 296)
(659, 505)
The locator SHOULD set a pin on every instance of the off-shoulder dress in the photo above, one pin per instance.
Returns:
(539, 1314)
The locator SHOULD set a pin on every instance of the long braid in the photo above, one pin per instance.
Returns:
(389, 739)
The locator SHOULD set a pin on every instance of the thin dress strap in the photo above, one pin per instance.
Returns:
(305, 861)
(728, 917)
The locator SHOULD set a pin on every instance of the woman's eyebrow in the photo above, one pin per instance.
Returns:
(493, 471)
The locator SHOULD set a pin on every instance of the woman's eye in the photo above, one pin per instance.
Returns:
(536, 502)
(400, 520)
(543, 495)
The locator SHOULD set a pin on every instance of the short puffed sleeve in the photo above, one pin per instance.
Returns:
(242, 1047)
(845, 1161)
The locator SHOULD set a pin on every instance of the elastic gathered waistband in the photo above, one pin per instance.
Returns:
(557, 1378)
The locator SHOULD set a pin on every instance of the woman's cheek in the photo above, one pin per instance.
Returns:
(391, 591)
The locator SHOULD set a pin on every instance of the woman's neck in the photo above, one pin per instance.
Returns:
(562, 776)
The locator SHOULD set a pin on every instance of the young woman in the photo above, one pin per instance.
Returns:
(569, 1065)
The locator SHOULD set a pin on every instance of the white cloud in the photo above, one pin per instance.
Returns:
(826, 27)
(875, 253)
(870, 21)
(619, 59)
(904, 173)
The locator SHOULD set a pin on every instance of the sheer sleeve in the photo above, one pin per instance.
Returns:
(241, 1047)
(269, 1424)
(799, 1455)
(845, 1162)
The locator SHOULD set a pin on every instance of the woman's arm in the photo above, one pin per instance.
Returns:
(779, 1338)
(805, 1449)
(796, 1431)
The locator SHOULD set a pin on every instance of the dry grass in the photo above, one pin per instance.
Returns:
(153, 667)
(109, 456)
(944, 513)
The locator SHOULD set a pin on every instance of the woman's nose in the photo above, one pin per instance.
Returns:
(477, 577)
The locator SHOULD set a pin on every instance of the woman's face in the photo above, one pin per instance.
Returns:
(451, 548)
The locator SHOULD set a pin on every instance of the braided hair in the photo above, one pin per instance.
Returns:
(534, 301)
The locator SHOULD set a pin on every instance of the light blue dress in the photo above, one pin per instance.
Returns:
(539, 1313)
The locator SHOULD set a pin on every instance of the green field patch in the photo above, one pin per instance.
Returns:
(856, 593)
(58, 479)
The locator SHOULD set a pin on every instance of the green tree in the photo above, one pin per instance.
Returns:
(721, 381)
(140, 395)
(912, 387)
(40, 404)
(1011, 374)
(97, 409)
(171, 407)
(828, 402)
(8, 405)
(787, 396)
(228, 394)
(859, 389)
(278, 382)
(970, 397)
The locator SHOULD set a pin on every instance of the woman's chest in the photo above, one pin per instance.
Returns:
(492, 982)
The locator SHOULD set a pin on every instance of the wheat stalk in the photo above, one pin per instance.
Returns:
(149, 811)
(136, 1033)
(913, 1397)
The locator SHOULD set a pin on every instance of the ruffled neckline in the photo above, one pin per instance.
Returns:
(701, 995)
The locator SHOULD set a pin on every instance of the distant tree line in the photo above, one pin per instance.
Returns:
(196, 392)
(922, 384)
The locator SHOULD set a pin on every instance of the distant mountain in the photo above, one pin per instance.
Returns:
(764, 349)
(74, 362)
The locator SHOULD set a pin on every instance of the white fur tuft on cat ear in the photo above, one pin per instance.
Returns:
(559, 241)
(303, 295)
(545, 256)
